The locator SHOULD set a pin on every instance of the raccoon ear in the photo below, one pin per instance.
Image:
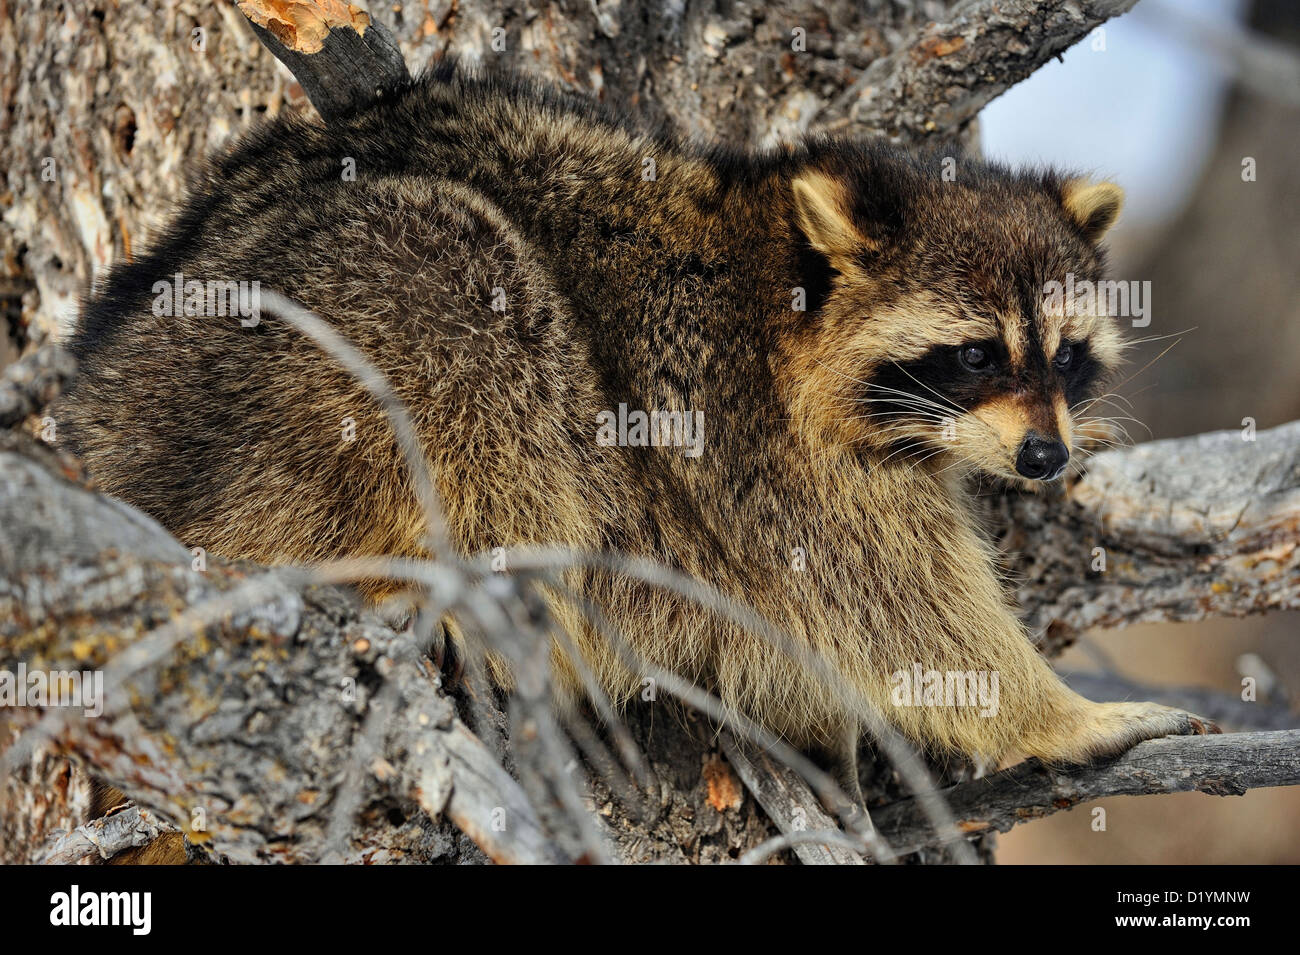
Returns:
(1092, 206)
(823, 212)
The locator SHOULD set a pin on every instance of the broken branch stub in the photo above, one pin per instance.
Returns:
(344, 60)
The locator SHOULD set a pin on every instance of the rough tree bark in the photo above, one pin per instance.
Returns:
(296, 726)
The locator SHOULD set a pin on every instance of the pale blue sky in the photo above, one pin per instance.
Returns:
(1143, 112)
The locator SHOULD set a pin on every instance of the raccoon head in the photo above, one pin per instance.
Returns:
(939, 331)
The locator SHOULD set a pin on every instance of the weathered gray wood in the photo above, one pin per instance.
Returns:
(29, 385)
(105, 837)
(239, 733)
(1188, 528)
(1224, 765)
(936, 82)
(789, 803)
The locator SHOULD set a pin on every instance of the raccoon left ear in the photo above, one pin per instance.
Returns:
(821, 205)
(1092, 206)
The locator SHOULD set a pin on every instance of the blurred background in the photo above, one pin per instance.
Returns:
(1169, 101)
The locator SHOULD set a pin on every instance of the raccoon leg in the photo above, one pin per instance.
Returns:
(840, 759)
(1058, 725)
(1028, 710)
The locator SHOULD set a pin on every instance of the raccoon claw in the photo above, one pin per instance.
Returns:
(1191, 725)
(1200, 726)
(448, 656)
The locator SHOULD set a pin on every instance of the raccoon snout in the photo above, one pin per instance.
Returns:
(1041, 459)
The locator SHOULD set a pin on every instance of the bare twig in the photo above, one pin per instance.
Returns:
(832, 841)
(852, 816)
(1226, 765)
(790, 804)
(346, 354)
(344, 60)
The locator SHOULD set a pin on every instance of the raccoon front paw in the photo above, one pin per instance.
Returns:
(1108, 729)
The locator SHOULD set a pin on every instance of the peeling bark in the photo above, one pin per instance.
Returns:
(105, 837)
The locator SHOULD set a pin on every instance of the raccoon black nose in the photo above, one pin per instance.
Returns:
(1041, 459)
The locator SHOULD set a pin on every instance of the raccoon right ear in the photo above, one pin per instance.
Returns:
(823, 212)
(1092, 206)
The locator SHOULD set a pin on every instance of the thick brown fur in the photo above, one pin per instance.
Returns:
(669, 293)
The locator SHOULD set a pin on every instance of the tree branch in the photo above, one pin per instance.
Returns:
(937, 82)
(790, 804)
(344, 60)
(1181, 529)
(1225, 765)
(236, 735)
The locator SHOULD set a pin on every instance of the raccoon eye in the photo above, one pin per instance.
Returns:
(974, 358)
(1064, 355)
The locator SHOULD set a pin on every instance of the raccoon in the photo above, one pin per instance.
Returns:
(853, 332)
